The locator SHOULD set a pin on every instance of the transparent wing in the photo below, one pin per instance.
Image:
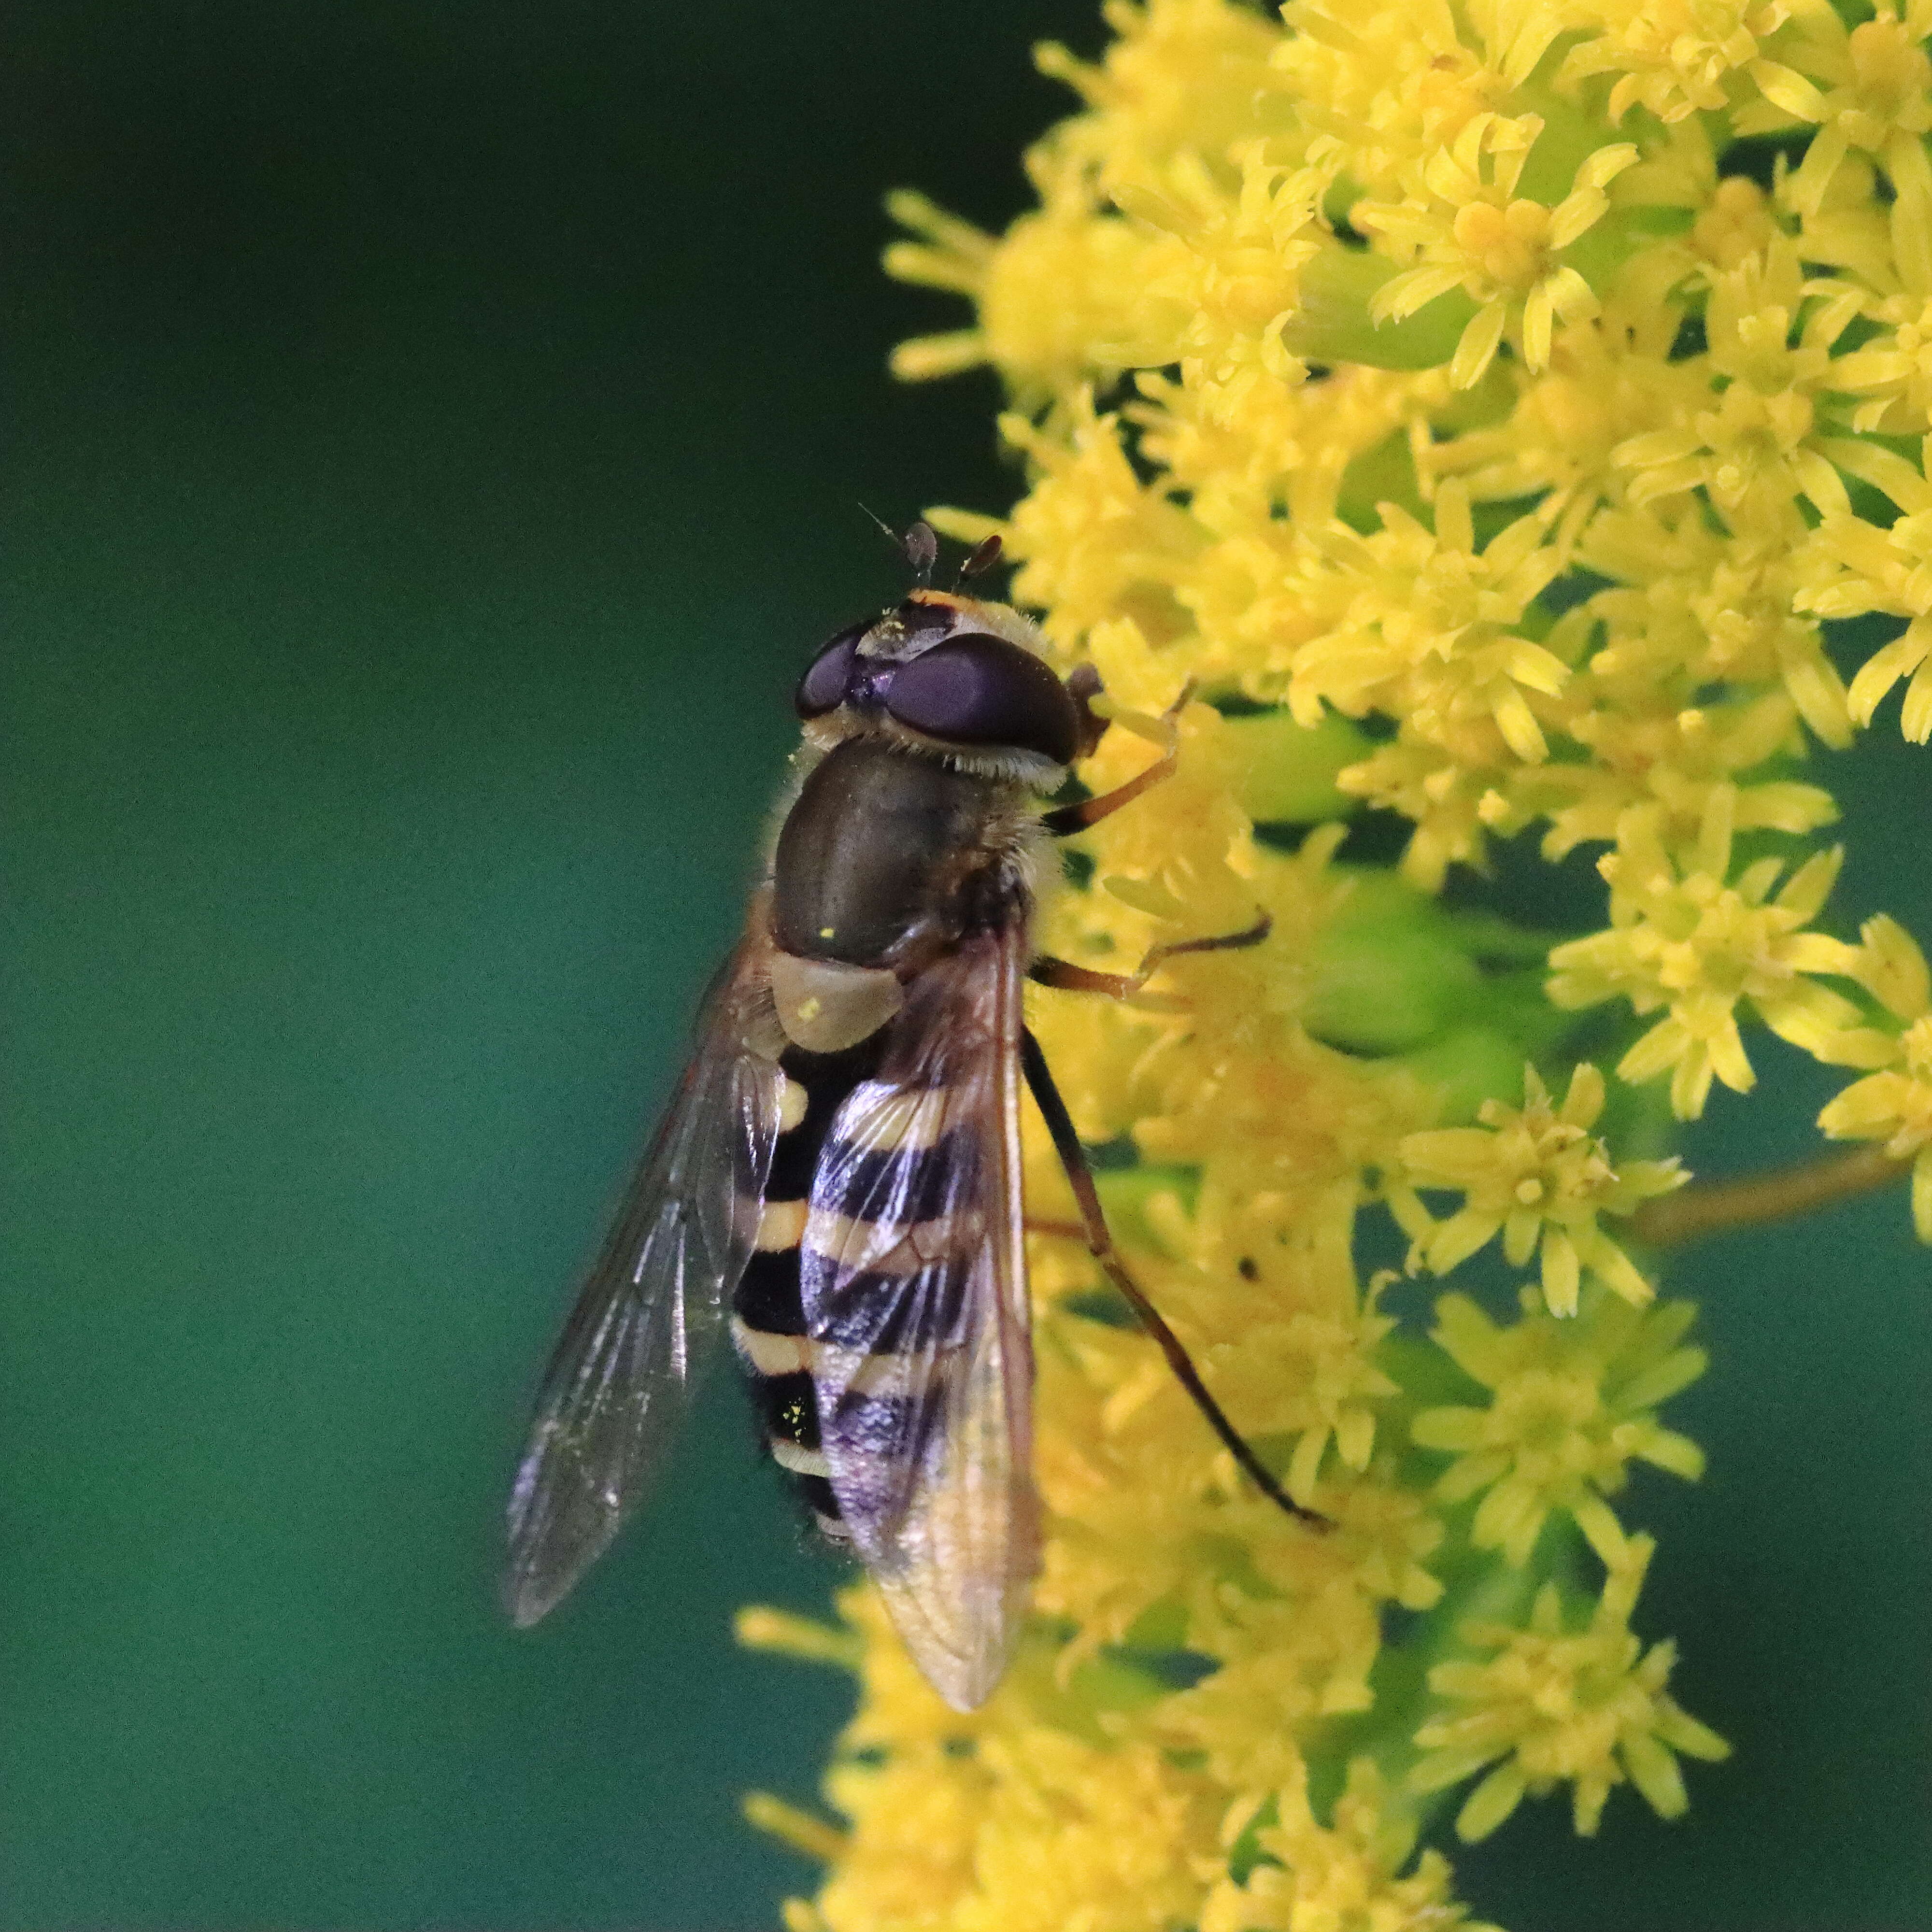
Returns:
(652, 1303)
(915, 1293)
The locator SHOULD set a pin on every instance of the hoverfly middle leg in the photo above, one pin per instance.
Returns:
(1049, 971)
(1100, 1242)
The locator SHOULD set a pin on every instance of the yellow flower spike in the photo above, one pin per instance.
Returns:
(1534, 1175)
(1572, 1402)
(1552, 1706)
(1530, 517)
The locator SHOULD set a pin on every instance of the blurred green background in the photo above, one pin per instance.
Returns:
(433, 440)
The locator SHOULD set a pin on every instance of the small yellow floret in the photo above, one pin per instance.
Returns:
(1463, 226)
(1895, 1104)
(1353, 1874)
(1431, 632)
(1857, 568)
(1683, 935)
(1572, 1402)
(1535, 1175)
(1675, 57)
(1583, 1708)
(1758, 442)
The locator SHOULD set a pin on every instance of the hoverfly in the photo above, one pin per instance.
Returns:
(837, 1178)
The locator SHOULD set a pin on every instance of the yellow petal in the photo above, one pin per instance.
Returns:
(1477, 348)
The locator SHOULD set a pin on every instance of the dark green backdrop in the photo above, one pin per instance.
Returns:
(433, 436)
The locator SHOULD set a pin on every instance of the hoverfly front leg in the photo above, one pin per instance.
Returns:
(1066, 819)
(1100, 1242)
(1069, 820)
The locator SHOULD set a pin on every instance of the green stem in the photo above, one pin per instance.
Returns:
(1753, 1200)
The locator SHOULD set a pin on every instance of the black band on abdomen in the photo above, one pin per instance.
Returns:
(769, 1326)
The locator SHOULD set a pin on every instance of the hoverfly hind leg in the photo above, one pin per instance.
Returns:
(1100, 1242)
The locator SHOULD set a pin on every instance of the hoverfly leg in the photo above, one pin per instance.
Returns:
(1059, 1231)
(1066, 819)
(1049, 971)
(1100, 1244)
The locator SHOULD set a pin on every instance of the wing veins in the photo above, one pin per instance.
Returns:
(652, 1305)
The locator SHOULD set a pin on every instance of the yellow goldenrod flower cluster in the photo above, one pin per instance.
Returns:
(1497, 412)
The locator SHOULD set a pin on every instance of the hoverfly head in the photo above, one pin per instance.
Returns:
(957, 671)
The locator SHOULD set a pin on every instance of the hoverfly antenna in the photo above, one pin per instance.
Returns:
(919, 546)
(922, 551)
(981, 560)
(884, 529)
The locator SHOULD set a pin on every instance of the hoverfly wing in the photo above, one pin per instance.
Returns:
(652, 1303)
(915, 1299)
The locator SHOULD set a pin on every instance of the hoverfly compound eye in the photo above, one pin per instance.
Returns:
(824, 686)
(980, 689)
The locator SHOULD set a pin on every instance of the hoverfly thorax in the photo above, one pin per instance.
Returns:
(838, 1182)
(928, 728)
